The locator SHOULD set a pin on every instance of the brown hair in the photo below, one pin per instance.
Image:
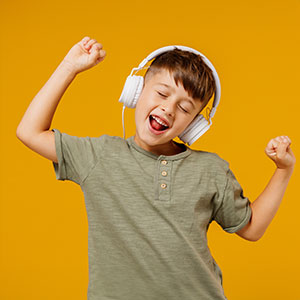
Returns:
(189, 69)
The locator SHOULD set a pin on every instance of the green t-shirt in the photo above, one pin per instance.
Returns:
(148, 216)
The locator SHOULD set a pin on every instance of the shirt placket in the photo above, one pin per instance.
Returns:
(164, 180)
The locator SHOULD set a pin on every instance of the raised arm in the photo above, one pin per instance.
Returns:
(33, 130)
(267, 203)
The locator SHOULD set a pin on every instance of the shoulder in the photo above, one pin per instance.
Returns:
(112, 145)
(96, 143)
(113, 141)
(211, 161)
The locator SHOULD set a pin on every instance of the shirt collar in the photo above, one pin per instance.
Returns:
(177, 156)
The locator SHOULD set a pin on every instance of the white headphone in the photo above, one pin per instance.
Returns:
(134, 85)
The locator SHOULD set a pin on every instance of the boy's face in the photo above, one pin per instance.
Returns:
(172, 104)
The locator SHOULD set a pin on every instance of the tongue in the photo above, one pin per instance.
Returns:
(156, 125)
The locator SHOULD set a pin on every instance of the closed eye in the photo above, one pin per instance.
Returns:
(183, 109)
(178, 105)
(161, 94)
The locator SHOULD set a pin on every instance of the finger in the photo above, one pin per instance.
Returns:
(270, 151)
(281, 150)
(102, 53)
(97, 51)
(90, 43)
(97, 47)
(100, 46)
(279, 138)
(287, 139)
(284, 139)
(85, 40)
(97, 54)
(271, 148)
(273, 144)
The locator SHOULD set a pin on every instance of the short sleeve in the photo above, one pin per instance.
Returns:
(235, 211)
(76, 156)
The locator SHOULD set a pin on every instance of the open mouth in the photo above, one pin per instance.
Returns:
(156, 126)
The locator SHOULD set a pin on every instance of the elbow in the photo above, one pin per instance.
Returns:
(18, 133)
(249, 238)
(20, 136)
(23, 134)
(23, 137)
(254, 237)
(248, 234)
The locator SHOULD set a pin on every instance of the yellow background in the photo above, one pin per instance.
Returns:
(254, 46)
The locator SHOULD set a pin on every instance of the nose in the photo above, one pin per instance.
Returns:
(168, 107)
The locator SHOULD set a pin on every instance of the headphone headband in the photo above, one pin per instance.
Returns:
(134, 85)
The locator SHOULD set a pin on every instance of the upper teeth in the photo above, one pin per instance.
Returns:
(159, 121)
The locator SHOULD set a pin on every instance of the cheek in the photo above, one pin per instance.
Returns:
(141, 111)
(142, 108)
(182, 124)
(138, 109)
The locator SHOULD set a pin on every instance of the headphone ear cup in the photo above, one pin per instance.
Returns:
(132, 90)
(197, 128)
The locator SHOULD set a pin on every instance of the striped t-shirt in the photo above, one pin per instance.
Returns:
(148, 216)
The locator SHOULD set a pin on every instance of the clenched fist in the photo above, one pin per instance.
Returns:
(85, 54)
(278, 149)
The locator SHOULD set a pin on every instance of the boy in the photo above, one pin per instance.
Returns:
(149, 199)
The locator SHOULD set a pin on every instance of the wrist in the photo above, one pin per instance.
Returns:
(288, 170)
(68, 68)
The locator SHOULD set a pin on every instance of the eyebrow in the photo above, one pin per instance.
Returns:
(171, 88)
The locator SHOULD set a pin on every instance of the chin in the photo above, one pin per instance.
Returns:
(144, 135)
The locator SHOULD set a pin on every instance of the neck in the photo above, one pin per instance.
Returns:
(168, 149)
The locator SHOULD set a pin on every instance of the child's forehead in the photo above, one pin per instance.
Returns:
(164, 78)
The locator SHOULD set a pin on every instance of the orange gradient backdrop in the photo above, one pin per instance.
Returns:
(253, 45)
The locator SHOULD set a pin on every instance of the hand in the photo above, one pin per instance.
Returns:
(84, 55)
(278, 149)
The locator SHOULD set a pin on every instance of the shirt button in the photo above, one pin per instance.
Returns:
(164, 162)
(164, 173)
(163, 185)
